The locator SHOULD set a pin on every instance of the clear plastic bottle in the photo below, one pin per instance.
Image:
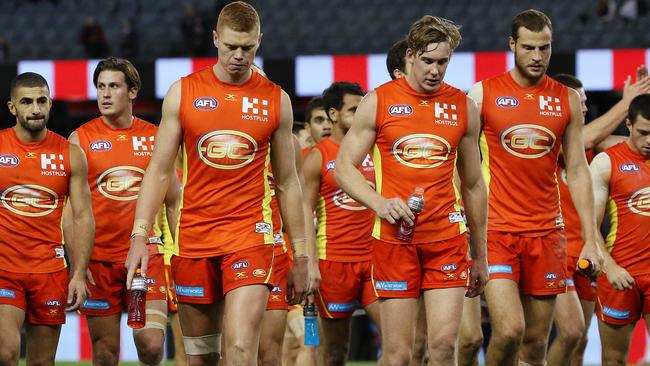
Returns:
(137, 302)
(416, 203)
(311, 325)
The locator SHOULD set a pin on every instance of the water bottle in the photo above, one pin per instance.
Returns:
(137, 302)
(586, 267)
(311, 325)
(416, 203)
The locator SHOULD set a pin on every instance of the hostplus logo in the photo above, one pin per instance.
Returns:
(549, 106)
(143, 145)
(52, 165)
(445, 114)
(255, 109)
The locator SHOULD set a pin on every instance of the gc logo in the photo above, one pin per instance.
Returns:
(226, 149)
(528, 141)
(421, 150)
(639, 203)
(30, 200)
(120, 183)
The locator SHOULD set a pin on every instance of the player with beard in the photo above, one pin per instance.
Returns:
(41, 171)
(526, 116)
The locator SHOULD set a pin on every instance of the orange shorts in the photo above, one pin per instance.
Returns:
(278, 294)
(208, 280)
(623, 307)
(343, 284)
(579, 283)
(404, 270)
(109, 294)
(171, 292)
(42, 296)
(537, 264)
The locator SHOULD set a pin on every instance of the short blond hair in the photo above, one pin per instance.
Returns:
(239, 16)
(430, 29)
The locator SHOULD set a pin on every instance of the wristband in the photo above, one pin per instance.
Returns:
(299, 248)
(140, 228)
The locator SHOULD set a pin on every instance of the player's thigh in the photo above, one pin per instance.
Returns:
(199, 319)
(615, 341)
(41, 343)
(538, 314)
(444, 308)
(273, 327)
(398, 318)
(568, 314)
(11, 320)
(470, 322)
(374, 313)
(336, 332)
(504, 306)
(105, 329)
(244, 311)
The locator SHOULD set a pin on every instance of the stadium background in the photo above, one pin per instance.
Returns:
(307, 44)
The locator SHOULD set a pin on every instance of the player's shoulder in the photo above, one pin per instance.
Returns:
(90, 125)
(139, 122)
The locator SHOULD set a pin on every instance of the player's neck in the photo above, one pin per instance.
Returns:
(226, 77)
(524, 81)
(634, 148)
(29, 137)
(337, 134)
(119, 122)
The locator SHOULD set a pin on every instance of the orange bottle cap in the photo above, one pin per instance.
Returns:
(584, 264)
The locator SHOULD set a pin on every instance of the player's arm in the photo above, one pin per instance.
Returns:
(579, 181)
(172, 201)
(474, 192)
(83, 224)
(599, 129)
(156, 181)
(68, 217)
(290, 199)
(354, 148)
(601, 172)
(308, 212)
(476, 93)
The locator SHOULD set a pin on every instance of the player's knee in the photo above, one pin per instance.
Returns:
(105, 352)
(269, 354)
(398, 357)
(336, 356)
(509, 334)
(442, 351)
(470, 343)
(614, 357)
(9, 356)
(150, 352)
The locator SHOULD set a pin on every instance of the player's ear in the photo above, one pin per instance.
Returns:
(332, 114)
(512, 43)
(215, 38)
(133, 93)
(12, 107)
(628, 123)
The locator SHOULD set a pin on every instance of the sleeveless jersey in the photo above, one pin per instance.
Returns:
(226, 198)
(117, 159)
(344, 225)
(629, 209)
(521, 138)
(34, 180)
(416, 141)
(572, 225)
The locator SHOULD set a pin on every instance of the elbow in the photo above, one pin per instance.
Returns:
(589, 143)
(339, 174)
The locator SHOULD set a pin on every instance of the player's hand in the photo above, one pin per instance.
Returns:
(641, 72)
(314, 276)
(138, 257)
(89, 276)
(297, 281)
(618, 277)
(591, 251)
(640, 86)
(478, 277)
(77, 292)
(393, 209)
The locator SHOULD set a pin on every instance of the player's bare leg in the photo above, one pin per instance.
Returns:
(336, 340)
(11, 320)
(444, 308)
(470, 336)
(507, 320)
(201, 323)
(180, 358)
(398, 317)
(538, 313)
(105, 337)
(588, 308)
(242, 321)
(273, 327)
(615, 342)
(150, 340)
(419, 357)
(570, 325)
(41, 342)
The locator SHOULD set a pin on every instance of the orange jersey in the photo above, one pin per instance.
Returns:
(572, 225)
(117, 159)
(344, 225)
(226, 202)
(629, 209)
(416, 142)
(34, 184)
(521, 138)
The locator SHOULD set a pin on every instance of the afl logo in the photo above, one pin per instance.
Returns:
(629, 168)
(120, 183)
(30, 200)
(528, 141)
(639, 203)
(226, 149)
(100, 145)
(507, 102)
(205, 103)
(421, 150)
(400, 110)
(9, 161)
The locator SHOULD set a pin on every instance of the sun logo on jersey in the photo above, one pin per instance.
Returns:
(528, 141)
(639, 203)
(227, 149)
(120, 183)
(30, 200)
(421, 150)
